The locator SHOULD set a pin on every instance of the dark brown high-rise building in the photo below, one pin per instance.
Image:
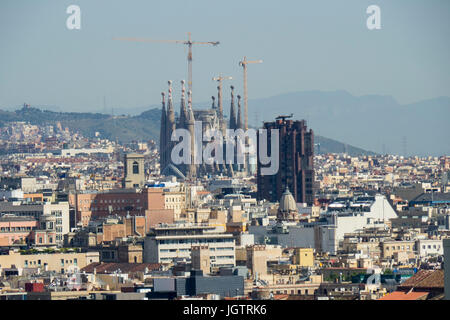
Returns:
(296, 162)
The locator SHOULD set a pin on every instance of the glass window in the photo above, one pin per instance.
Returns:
(135, 168)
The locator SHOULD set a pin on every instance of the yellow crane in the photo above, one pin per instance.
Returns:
(243, 64)
(187, 42)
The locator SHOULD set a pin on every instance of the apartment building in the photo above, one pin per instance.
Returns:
(53, 220)
(15, 230)
(168, 243)
(58, 262)
(429, 247)
(396, 249)
(153, 202)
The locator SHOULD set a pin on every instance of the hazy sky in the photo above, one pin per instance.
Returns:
(305, 45)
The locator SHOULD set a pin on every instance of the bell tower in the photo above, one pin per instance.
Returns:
(134, 174)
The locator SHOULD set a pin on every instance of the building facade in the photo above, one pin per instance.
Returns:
(296, 165)
(59, 262)
(134, 171)
(210, 119)
(166, 244)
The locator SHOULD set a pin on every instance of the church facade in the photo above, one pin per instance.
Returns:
(210, 119)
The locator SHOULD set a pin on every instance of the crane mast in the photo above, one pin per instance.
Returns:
(187, 42)
(243, 64)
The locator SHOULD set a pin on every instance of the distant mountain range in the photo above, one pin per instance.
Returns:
(144, 126)
(371, 122)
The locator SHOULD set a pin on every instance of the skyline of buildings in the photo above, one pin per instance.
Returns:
(99, 217)
(96, 207)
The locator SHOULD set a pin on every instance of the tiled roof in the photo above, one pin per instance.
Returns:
(124, 267)
(400, 295)
(280, 296)
(436, 196)
(300, 297)
(425, 279)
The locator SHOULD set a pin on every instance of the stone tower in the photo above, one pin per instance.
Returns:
(134, 173)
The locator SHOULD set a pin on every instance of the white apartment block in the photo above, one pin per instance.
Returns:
(429, 247)
(168, 243)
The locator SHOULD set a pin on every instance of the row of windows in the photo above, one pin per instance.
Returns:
(38, 263)
(176, 206)
(174, 250)
(222, 257)
(409, 247)
(129, 208)
(75, 261)
(57, 213)
(110, 201)
(9, 229)
(398, 248)
(187, 250)
(175, 199)
(220, 249)
(195, 241)
(429, 246)
(298, 291)
(50, 240)
(27, 214)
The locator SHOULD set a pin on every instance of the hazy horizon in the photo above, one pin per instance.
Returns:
(205, 103)
(321, 45)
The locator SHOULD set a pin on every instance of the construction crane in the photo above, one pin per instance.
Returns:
(220, 79)
(283, 118)
(187, 42)
(243, 64)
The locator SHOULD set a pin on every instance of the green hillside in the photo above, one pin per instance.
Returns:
(131, 128)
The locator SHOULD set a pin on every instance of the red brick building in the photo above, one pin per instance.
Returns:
(147, 202)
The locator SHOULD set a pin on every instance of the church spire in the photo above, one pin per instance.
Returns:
(191, 168)
(169, 100)
(232, 111)
(162, 135)
(183, 111)
(170, 123)
(222, 122)
(190, 112)
(239, 117)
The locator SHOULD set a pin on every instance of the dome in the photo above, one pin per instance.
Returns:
(288, 206)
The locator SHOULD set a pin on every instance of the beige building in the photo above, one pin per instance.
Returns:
(393, 249)
(257, 257)
(64, 295)
(134, 172)
(175, 200)
(257, 260)
(307, 288)
(200, 258)
(59, 262)
(304, 257)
